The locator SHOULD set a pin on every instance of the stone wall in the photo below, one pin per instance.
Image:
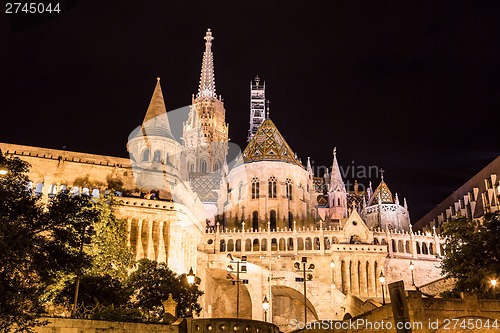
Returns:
(64, 325)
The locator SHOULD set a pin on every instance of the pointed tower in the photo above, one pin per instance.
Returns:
(152, 147)
(337, 195)
(205, 133)
(257, 106)
(385, 210)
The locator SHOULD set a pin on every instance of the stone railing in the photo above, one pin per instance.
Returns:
(318, 241)
(227, 325)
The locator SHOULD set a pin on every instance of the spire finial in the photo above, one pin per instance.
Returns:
(382, 174)
(157, 79)
(267, 112)
(207, 77)
(334, 151)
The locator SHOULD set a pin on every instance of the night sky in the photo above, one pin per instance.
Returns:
(409, 86)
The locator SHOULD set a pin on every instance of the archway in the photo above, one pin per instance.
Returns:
(255, 220)
(220, 297)
(288, 304)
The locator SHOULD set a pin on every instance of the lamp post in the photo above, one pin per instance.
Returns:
(304, 270)
(494, 284)
(265, 306)
(190, 278)
(3, 170)
(382, 281)
(412, 267)
(237, 281)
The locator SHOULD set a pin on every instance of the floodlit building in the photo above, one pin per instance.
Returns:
(185, 202)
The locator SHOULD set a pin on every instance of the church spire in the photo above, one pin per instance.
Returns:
(336, 182)
(207, 77)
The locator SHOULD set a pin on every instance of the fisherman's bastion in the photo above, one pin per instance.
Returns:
(282, 229)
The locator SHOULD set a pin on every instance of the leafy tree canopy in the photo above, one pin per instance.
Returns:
(473, 253)
(153, 281)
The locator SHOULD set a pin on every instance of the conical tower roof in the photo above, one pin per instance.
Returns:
(269, 145)
(385, 194)
(336, 182)
(155, 122)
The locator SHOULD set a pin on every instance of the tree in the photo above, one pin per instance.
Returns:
(153, 282)
(472, 253)
(37, 244)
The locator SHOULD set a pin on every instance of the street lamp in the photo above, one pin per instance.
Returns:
(494, 284)
(265, 306)
(238, 270)
(382, 281)
(3, 170)
(304, 270)
(190, 278)
(412, 267)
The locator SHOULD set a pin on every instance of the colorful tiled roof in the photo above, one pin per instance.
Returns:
(269, 145)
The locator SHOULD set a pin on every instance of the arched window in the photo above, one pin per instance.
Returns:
(272, 187)
(255, 220)
(289, 188)
(272, 219)
(157, 156)
(216, 166)
(255, 188)
(338, 202)
(191, 167)
(203, 166)
(145, 155)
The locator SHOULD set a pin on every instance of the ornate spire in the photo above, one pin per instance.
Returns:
(207, 78)
(336, 182)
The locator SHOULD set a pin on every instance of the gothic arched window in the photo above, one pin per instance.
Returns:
(289, 188)
(255, 188)
(272, 187)
(203, 166)
(216, 166)
(145, 155)
(191, 167)
(156, 156)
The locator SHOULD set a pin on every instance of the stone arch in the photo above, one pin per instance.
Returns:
(256, 245)
(300, 244)
(248, 245)
(238, 245)
(327, 243)
(376, 241)
(263, 244)
(144, 237)
(282, 245)
(424, 248)
(407, 247)
(288, 304)
(431, 248)
(316, 244)
(290, 244)
(222, 295)
(222, 245)
(230, 245)
(401, 247)
(145, 155)
(308, 244)
(393, 244)
(335, 240)
(418, 247)
(274, 244)
(157, 156)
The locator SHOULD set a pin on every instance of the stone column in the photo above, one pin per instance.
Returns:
(370, 279)
(150, 247)
(363, 287)
(139, 252)
(162, 254)
(129, 231)
(354, 277)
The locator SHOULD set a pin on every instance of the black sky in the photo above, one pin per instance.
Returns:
(409, 86)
